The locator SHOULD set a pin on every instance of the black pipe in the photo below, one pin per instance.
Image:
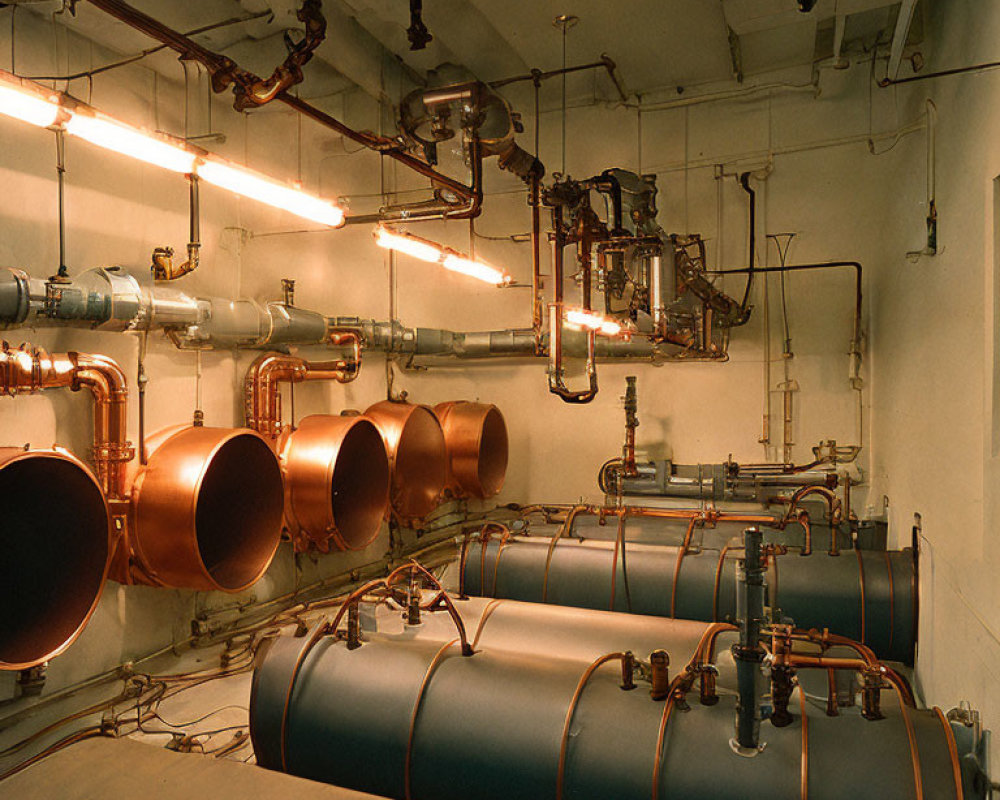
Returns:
(745, 183)
(885, 82)
(749, 654)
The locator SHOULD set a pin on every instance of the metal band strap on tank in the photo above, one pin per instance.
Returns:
(504, 541)
(805, 743)
(619, 542)
(861, 583)
(463, 558)
(487, 613)
(580, 686)
(956, 769)
(892, 598)
(918, 782)
(431, 668)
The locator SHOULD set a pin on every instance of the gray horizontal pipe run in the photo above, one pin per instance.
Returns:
(115, 299)
(869, 596)
(418, 720)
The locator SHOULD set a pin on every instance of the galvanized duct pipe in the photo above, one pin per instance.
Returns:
(418, 457)
(417, 720)
(336, 469)
(865, 595)
(56, 541)
(476, 437)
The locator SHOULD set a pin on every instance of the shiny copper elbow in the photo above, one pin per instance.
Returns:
(206, 511)
(418, 456)
(56, 546)
(336, 482)
(476, 438)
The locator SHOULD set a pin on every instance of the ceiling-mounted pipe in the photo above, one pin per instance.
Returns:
(226, 72)
(57, 540)
(336, 469)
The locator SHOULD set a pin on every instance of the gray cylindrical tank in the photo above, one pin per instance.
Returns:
(418, 720)
(869, 596)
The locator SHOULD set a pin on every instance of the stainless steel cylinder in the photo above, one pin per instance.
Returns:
(56, 539)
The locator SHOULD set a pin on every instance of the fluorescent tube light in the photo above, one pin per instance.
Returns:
(408, 244)
(243, 182)
(475, 269)
(591, 320)
(26, 105)
(129, 141)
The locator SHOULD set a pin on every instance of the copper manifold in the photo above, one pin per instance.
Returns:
(205, 512)
(336, 469)
(476, 437)
(418, 457)
(57, 540)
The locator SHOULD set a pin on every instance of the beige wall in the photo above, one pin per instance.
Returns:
(928, 366)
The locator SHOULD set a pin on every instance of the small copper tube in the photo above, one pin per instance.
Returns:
(418, 457)
(475, 435)
(336, 469)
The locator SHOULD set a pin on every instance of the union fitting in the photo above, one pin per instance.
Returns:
(659, 661)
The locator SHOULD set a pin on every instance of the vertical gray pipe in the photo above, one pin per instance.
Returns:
(748, 653)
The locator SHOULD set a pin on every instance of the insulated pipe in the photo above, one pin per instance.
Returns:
(56, 541)
(869, 595)
(475, 435)
(416, 720)
(418, 457)
(206, 511)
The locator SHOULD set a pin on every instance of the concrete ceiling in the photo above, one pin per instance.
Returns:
(656, 43)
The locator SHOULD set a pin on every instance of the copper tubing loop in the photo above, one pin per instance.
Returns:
(476, 437)
(418, 457)
(336, 469)
(56, 540)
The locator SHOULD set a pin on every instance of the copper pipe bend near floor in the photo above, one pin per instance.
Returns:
(336, 482)
(418, 457)
(476, 437)
(56, 540)
(206, 511)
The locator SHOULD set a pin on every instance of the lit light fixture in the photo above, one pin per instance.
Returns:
(434, 253)
(591, 320)
(475, 269)
(407, 243)
(22, 101)
(247, 183)
(152, 148)
(37, 105)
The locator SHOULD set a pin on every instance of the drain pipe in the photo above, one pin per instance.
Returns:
(748, 653)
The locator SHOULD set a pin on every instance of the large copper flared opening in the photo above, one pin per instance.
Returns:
(56, 542)
(476, 436)
(417, 453)
(208, 509)
(337, 474)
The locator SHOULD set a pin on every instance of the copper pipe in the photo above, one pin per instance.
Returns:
(580, 686)
(804, 791)
(428, 674)
(262, 396)
(536, 264)
(26, 370)
(949, 734)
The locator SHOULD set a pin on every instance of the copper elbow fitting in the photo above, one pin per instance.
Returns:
(418, 456)
(58, 541)
(476, 437)
(206, 511)
(336, 482)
